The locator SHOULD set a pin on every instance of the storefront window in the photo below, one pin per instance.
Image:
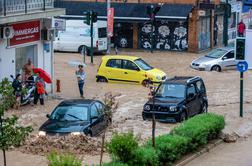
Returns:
(22, 56)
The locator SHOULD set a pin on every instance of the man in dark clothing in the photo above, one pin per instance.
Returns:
(241, 29)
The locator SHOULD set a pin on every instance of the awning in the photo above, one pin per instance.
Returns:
(125, 11)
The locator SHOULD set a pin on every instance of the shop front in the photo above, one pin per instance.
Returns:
(24, 42)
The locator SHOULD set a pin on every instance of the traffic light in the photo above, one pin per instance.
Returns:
(240, 49)
(94, 17)
(87, 18)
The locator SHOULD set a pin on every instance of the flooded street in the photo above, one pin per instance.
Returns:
(222, 90)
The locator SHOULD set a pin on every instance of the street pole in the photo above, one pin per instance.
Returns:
(91, 35)
(108, 37)
(241, 94)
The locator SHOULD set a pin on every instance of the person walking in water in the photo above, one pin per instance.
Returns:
(81, 75)
(241, 29)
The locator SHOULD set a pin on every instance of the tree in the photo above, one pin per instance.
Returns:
(11, 134)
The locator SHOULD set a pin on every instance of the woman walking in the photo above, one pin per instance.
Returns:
(81, 75)
(39, 90)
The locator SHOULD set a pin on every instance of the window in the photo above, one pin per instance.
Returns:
(143, 65)
(217, 53)
(115, 63)
(171, 91)
(99, 107)
(102, 32)
(129, 65)
(230, 55)
(94, 111)
(70, 113)
(200, 86)
(191, 89)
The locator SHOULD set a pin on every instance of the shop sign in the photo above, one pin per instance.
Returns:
(59, 24)
(110, 21)
(25, 33)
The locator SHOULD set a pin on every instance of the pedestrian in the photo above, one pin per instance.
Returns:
(27, 69)
(116, 43)
(241, 29)
(81, 75)
(215, 33)
(17, 86)
(39, 90)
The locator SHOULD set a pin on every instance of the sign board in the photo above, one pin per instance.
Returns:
(242, 66)
(59, 24)
(248, 48)
(25, 33)
(110, 21)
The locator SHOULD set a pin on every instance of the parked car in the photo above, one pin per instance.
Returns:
(128, 69)
(216, 60)
(76, 37)
(177, 99)
(77, 116)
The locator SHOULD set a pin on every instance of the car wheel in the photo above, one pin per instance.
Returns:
(183, 116)
(102, 79)
(216, 68)
(204, 108)
(146, 82)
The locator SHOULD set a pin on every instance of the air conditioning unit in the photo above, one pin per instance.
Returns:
(47, 34)
(8, 32)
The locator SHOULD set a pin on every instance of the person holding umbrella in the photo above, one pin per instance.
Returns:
(81, 75)
(42, 77)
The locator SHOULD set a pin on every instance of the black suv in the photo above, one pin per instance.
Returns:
(177, 99)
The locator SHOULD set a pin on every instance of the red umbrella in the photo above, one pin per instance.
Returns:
(43, 74)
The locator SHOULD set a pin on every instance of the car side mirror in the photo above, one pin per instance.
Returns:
(48, 116)
(191, 95)
(224, 58)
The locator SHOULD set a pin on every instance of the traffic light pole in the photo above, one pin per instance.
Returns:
(91, 35)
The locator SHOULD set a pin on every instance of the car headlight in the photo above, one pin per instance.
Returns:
(75, 133)
(42, 133)
(158, 78)
(173, 108)
(147, 107)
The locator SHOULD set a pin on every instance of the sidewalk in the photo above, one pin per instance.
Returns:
(232, 154)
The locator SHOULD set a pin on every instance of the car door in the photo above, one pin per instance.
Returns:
(95, 120)
(104, 119)
(132, 73)
(202, 93)
(191, 96)
(228, 61)
(114, 70)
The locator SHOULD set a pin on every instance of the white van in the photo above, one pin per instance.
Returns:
(77, 35)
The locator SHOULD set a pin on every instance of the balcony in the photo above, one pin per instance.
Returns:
(21, 10)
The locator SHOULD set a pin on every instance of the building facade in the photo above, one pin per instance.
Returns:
(26, 32)
(183, 25)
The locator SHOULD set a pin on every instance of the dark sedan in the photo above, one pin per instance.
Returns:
(75, 117)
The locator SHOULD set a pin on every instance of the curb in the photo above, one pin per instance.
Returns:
(199, 153)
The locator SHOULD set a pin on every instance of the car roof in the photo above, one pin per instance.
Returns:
(77, 102)
(127, 57)
(182, 79)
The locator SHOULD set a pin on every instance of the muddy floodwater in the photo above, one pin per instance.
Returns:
(222, 90)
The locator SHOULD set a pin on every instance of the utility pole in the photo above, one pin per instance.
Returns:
(108, 37)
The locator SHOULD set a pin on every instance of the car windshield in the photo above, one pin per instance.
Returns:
(171, 91)
(142, 64)
(70, 113)
(217, 53)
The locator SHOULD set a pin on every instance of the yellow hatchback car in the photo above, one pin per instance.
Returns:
(128, 69)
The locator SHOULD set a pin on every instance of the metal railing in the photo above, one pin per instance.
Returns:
(12, 7)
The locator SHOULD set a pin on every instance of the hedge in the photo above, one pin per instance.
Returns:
(200, 129)
(184, 138)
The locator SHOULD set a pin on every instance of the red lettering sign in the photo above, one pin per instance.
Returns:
(25, 33)
(110, 21)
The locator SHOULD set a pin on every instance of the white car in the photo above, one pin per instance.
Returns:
(216, 60)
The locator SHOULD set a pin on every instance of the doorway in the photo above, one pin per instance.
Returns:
(22, 56)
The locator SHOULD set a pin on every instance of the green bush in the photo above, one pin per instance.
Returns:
(200, 129)
(144, 156)
(63, 160)
(114, 164)
(122, 147)
(170, 148)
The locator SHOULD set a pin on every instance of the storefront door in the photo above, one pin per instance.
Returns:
(23, 54)
(204, 33)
